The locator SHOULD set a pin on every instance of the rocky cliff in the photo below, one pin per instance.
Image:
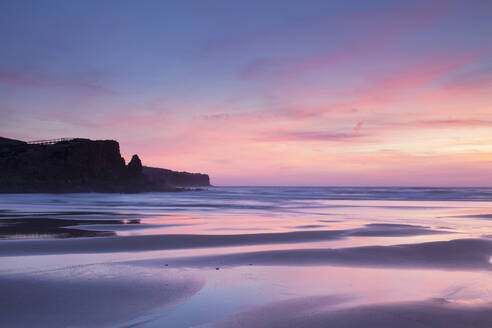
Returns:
(81, 165)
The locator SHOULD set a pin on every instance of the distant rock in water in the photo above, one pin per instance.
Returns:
(82, 165)
(176, 179)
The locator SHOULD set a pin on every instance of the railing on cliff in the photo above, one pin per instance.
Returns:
(49, 141)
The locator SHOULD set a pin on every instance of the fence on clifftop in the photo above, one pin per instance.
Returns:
(48, 141)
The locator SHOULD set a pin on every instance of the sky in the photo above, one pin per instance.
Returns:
(302, 93)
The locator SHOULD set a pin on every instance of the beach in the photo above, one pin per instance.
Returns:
(248, 257)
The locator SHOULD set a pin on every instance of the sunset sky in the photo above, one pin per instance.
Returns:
(260, 92)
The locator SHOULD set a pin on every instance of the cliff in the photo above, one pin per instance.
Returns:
(81, 165)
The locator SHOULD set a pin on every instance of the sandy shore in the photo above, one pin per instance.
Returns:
(330, 311)
(249, 261)
(459, 254)
(88, 296)
(182, 241)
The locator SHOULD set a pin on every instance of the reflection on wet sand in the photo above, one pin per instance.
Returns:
(328, 311)
(459, 254)
(174, 241)
(88, 296)
(28, 228)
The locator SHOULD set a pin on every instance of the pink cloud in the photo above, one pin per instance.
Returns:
(282, 136)
(358, 126)
(451, 123)
(466, 88)
(370, 39)
(24, 80)
(409, 85)
(390, 86)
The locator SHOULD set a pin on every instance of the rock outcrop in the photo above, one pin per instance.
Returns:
(80, 165)
(135, 167)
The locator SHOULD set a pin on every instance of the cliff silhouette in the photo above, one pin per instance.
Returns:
(82, 165)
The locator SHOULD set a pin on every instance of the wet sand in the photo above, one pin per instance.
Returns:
(459, 254)
(88, 296)
(330, 311)
(170, 241)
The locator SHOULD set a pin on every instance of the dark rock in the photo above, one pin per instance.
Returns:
(135, 167)
(165, 177)
(10, 142)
